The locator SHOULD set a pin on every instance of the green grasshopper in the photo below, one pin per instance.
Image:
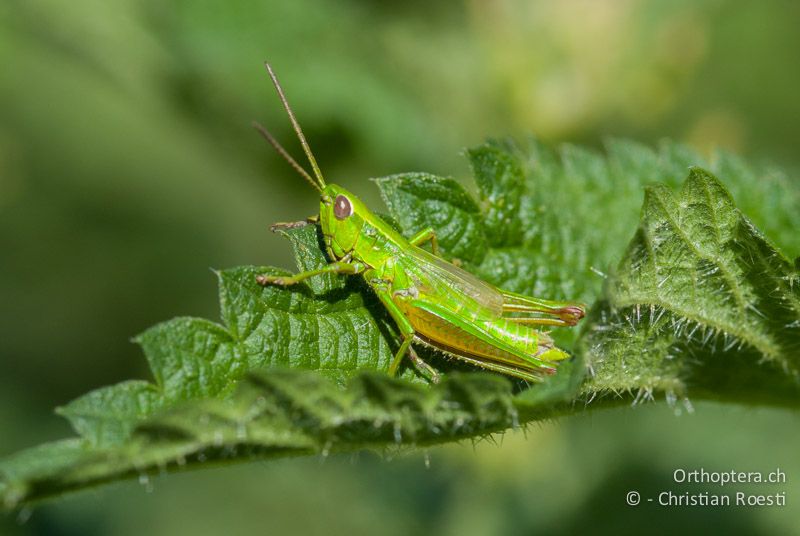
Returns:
(433, 302)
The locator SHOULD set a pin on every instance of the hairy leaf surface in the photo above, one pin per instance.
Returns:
(701, 302)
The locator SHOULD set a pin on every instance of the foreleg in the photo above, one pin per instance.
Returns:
(340, 267)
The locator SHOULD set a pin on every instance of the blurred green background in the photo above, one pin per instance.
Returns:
(128, 167)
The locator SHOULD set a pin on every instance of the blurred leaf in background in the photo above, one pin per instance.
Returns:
(127, 168)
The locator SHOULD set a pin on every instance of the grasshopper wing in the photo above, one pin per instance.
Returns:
(443, 276)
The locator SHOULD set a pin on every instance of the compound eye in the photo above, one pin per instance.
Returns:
(342, 208)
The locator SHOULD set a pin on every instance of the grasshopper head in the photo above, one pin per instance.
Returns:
(341, 215)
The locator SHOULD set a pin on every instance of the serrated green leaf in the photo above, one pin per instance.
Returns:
(500, 178)
(701, 304)
(420, 200)
(107, 415)
(337, 332)
(274, 414)
(191, 358)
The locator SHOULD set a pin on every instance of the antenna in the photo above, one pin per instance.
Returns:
(315, 168)
(281, 151)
